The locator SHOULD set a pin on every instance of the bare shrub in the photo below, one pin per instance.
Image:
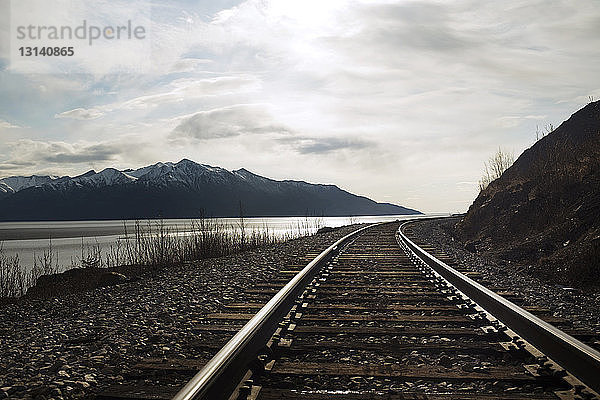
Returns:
(153, 245)
(13, 279)
(539, 134)
(495, 166)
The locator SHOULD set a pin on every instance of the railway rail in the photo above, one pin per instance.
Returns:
(378, 316)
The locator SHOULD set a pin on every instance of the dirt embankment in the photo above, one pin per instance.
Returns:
(544, 211)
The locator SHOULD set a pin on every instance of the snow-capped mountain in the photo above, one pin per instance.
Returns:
(106, 177)
(17, 183)
(185, 172)
(175, 190)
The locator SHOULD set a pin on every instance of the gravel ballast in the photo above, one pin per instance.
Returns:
(582, 308)
(74, 345)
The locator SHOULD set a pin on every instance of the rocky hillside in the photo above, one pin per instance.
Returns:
(544, 211)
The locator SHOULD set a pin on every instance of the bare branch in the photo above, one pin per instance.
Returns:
(495, 167)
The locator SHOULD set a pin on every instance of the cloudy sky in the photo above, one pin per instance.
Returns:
(401, 101)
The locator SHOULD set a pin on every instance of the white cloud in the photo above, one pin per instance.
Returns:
(228, 122)
(26, 150)
(177, 91)
(8, 125)
(26, 156)
(81, 113)
(189, 65)
(186, 89)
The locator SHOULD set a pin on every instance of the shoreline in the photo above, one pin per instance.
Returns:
(44, 230)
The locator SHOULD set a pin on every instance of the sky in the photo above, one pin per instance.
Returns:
(400, 101)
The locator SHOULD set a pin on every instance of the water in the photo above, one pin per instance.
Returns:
(68, 238)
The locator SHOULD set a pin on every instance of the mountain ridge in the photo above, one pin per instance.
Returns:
(176, 190)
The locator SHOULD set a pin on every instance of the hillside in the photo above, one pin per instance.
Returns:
(175, 190)
(544, 211)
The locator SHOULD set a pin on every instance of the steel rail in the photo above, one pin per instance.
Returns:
(576, 357)
(220, 376)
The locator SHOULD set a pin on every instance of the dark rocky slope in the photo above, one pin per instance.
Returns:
(544, 211)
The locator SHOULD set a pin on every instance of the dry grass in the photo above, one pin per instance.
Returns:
(495, 166)
(15, 279)
(153, 245)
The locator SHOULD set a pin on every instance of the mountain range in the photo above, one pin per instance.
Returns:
(184, 189)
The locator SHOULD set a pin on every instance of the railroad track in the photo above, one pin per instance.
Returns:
(370, 318)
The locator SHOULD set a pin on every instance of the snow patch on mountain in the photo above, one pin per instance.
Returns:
(246, 175)
(185, 172)
(4, 188)
(151, 171)
(18, 183)
(106, 177)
